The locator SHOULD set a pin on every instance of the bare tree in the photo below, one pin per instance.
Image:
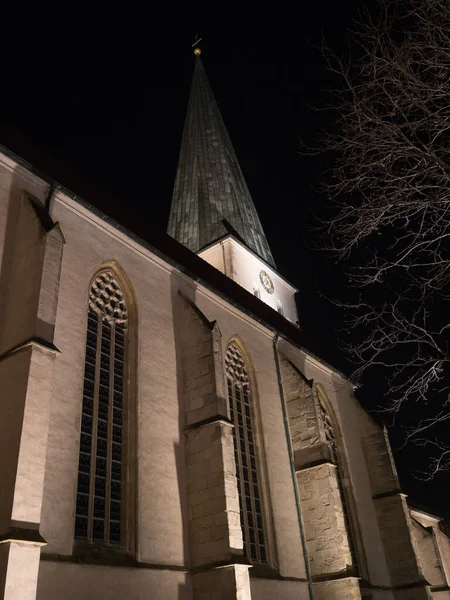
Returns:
(390, 189)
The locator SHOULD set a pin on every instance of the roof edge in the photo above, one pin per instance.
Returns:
(244, 245)
(280, 325)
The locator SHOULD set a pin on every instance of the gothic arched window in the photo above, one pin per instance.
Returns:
(240, 399)
(330, 439)
(100, 491)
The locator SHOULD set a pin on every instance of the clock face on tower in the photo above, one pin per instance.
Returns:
(267, 283)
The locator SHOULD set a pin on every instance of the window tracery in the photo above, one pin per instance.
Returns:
(240, 399)
(101, 462)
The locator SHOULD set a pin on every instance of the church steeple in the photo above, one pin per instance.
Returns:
(210, 192)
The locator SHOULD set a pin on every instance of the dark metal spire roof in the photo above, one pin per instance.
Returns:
(210, 187)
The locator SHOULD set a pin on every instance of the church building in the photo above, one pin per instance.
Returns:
(166, 430)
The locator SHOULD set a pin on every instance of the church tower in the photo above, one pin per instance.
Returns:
(212, 211)
(166, 435)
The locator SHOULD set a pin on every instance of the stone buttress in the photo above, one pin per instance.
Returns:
(29, 283)
(330, 557)
(394, 520)
(218, 567)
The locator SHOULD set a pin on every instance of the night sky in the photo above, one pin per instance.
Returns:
(104, 89)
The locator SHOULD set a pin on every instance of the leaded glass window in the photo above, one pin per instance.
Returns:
(240, 399)
(100, 471)
(330, 439)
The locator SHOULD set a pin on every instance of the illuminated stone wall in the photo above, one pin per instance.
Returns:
(237, 262)
(187, 539)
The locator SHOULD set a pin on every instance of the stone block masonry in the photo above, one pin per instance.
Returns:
(393, 517)
(305, 426)
(29, 296)
(382, 471)
(214, 526)
(202, 366)
(342, 589)
(323, 517)
(321, 504)
(231, 583)
(330, 558)
(219, 569)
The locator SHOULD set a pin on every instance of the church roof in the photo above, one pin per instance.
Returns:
(210, 190)
(37, 161)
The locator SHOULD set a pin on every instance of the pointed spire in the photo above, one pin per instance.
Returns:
(210, 188)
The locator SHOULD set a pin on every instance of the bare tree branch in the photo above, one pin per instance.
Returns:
(390, 192)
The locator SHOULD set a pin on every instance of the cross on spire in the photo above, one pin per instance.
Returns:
(197, 41)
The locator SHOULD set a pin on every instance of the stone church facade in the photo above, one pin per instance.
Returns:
(166, 432)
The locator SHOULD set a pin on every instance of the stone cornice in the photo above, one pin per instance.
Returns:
(31, 342)
(31, 537)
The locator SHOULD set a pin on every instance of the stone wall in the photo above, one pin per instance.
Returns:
(158, 459)
(441, 595)
(215, 534)
(231, 583)
(304, 425)
(443, 544)
(186, 497)
(414, 593)
(321, 504)
(325, 531)
(285, 589)
(353, 423)
(382, 471)
(214, 526)
(393, 517)
(29, 286)
(283, 540)
(320, 497)
(60, 580)
(397, 540)
(202, 365)
(342, 589)
(19, 567)
(21, 274)
(162, 407)
(427, 554)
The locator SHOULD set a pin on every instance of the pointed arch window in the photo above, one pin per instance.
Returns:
(101, 481)
(240, 399)
(330, 439)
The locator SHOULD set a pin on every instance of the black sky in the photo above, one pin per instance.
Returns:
(105, 88)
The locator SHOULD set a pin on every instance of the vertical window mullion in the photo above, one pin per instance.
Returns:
(94, 430)
(240, 468)
(252, 482)
(87, 416)
(101, 457)
(124, 505)
(102, 476)
(117, 485)
(110, 435)
(240, 398)
(247, 466)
